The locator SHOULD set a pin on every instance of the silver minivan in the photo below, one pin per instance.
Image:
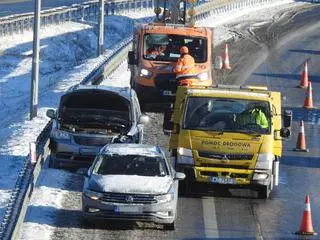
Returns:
(131, 182)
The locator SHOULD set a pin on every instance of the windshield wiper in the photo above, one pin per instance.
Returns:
(248, 131)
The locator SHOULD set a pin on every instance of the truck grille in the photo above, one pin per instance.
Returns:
(232, 175)
(222, 156)
(219, 165)
(128, 198)
(91, 141)
(166, 82)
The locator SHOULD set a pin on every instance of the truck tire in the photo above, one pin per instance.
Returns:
(169, 226)
(185, 186)
(264, 192)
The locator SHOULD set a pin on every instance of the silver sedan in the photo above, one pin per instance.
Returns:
(132, 182)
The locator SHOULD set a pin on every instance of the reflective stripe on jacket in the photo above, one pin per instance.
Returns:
(185, 66)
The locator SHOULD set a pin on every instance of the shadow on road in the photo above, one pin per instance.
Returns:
(223, 191)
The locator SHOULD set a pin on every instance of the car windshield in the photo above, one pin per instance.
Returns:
(131, 165)
(163, 47)
(227, 115)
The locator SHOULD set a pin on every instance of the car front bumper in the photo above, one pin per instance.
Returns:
(243, 177)
(68, 154)
(149, 94)
(163, 213)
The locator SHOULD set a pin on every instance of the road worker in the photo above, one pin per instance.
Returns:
(184, 69)
(252, 116)
(156, 49)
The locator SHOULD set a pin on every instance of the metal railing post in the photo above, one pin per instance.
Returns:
(35, 61)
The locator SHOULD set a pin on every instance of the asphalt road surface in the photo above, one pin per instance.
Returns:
(10, 7)
(273, 55)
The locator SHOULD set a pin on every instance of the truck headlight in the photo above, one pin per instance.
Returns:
(204, 76)
(145, 73)
(260, 176)
(264, 161)
(185, 156)
(92, 194)
(58, 134)
(164, 198)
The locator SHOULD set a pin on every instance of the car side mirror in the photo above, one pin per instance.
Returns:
(179, 176)
(132, 58)
(285, 132)
(143, 119)
(51, 113)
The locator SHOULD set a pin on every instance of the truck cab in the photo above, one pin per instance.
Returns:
(155, 51)
(215, 141)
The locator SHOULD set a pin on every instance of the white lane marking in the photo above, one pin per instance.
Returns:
(209, 218)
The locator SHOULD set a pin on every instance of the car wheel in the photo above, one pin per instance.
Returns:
(169, 226)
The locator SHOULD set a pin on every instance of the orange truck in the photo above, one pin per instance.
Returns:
(155, 52)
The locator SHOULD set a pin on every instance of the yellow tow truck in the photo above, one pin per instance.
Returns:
(211, 145)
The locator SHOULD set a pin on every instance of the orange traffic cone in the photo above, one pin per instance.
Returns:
(226, 63)
(308, 103)
(304, 76)
(301, 143)
(306, 227)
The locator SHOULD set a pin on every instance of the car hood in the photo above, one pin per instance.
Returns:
(92, 99)
(130, 184)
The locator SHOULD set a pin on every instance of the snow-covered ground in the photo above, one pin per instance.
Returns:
(67, 55)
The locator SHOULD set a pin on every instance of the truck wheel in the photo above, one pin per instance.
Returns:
(169, 226)
(264, 192)
(185, 186)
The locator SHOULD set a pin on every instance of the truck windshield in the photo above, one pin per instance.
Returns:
(227, 115)
(166, 47)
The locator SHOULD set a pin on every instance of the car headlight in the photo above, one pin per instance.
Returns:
(60, 134)
(264, 161)
(92, 194)
(204, 76)
(185, 156)
(145, 73)
(164, 198)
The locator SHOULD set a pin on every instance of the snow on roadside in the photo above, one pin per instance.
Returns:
(67, 56)
(41, 215)
(23, 131)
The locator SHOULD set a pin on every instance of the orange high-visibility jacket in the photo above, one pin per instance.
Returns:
(185, 67)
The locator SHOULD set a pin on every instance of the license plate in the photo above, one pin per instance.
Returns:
(168, 93)
(222, 180)
(127, 209)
